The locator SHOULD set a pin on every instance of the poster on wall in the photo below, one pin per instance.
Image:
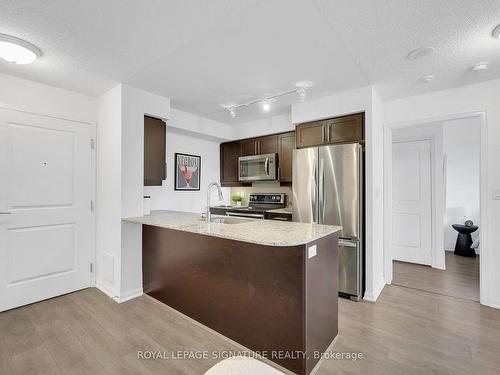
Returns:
(187, 172)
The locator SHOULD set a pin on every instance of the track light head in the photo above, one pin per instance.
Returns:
(302, 94)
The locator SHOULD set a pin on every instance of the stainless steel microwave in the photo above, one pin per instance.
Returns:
(258, 167)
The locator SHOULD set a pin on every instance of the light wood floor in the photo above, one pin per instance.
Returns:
(406, 332)
(460, 279)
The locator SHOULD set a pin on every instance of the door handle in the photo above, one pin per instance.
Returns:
(321, 191)
(5, 213)
(266, 166)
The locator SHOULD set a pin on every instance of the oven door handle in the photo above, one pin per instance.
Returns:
(257, 216)
(266, 164)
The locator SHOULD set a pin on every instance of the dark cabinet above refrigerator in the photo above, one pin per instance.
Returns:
(345, 129)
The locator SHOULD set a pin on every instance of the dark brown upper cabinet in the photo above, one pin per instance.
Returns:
(268, 145)
(249, 147)
(336, 130)
(258, 146)
(286, 145)
(346, 129)
(155, 139)
(229, 154)
(311, 134)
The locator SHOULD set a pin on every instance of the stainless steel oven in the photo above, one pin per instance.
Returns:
(258, 167)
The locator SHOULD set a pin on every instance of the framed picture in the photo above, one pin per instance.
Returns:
(187, 172)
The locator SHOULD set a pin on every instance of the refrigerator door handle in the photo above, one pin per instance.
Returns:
(314, 197)
(321, 191)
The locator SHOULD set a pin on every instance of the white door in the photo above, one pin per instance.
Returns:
(46, 218)
(411, 202)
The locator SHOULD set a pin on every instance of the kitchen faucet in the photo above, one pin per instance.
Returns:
(221, 197)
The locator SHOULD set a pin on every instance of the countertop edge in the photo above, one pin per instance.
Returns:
(140, 221)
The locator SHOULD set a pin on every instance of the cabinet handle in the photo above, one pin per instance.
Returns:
(322, 134)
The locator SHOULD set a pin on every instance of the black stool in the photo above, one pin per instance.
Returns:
(464, 240)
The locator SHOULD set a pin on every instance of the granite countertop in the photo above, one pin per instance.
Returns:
(264, 232)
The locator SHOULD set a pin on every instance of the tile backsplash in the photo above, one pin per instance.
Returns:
(262, 187)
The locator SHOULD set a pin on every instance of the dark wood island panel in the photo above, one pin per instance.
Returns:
(267, 298)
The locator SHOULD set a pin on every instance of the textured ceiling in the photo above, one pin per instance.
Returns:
(204, 53)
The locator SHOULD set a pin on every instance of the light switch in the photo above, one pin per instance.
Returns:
(311, 251)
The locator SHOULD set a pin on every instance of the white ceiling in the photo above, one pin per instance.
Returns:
(204, 53)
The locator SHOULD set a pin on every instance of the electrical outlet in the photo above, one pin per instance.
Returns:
(311, 251)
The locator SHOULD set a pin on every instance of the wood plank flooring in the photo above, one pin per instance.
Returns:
(406, 332)
(460, 279)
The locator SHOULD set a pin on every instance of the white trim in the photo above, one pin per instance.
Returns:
(110, 292)
(486, 279)
(131, 294)
(93, 239)
(372, 297)
(26, 110)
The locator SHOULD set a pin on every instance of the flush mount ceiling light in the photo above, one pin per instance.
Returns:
(18, 51)
(480, 66)
(300, 89)
(496, 32)
(427, 78)
(420, 52)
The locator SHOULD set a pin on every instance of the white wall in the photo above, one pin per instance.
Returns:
(366, 100)
(270, 125)
(29, 96)
(108, 197)
(446, 104)
(165, 197)
(120, 174)
(462, 145)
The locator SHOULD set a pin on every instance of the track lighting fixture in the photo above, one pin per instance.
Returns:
(302, 94)
(300, 89)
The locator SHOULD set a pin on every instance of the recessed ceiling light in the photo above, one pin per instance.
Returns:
(18, 51)
(420, 52)
(480, 66)
(266, 106)
(496, 32)
(427, 78)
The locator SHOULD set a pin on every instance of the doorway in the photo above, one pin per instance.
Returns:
(435, 195)
(46, 218)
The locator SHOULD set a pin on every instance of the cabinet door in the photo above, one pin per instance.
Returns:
(268, 145)
(229, 154)
(154, 151)
(346, 129)
(311, 134)
(285, 155)
(249, 147)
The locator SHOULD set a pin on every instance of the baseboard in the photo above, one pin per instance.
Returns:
(131, 294)
(110, 292)
(372, 297)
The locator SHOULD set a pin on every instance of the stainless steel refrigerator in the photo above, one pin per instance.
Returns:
(328, 189)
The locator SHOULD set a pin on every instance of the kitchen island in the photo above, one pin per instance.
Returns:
(268, 285)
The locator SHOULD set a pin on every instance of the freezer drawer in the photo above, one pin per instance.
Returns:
(350, 272)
